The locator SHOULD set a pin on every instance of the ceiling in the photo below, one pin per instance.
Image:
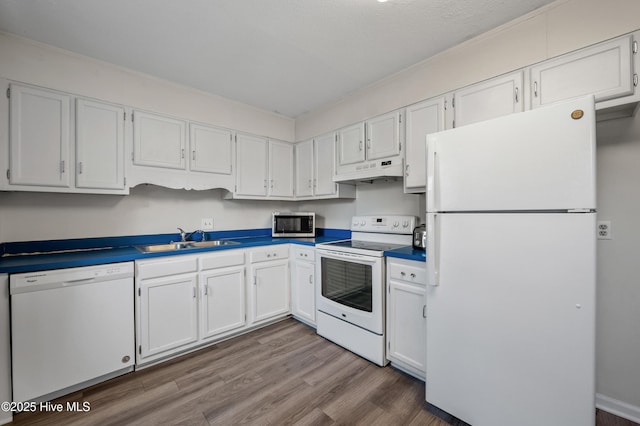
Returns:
(286, 56)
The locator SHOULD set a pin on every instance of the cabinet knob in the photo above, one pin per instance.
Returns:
(413, 275)
(403, 274)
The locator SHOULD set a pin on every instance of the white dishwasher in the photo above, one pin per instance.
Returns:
(70, 328)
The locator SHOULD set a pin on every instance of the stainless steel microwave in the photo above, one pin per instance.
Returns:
(293, 224)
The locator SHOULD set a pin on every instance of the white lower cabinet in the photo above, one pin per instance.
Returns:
(166, 306)
(303, 295)
(223, 295)
(187, 301)
(270, 291)
(406, 316)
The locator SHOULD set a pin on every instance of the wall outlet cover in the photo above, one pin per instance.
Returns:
(207, 224)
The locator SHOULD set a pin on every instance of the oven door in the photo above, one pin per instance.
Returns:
(351, 288)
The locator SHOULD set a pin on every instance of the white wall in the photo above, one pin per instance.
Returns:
(563, 26)
(618, 291)
(559, 28)
(380, 197)
(147, 210)
(34, 216)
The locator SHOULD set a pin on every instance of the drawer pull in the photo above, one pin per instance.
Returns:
(413, 275)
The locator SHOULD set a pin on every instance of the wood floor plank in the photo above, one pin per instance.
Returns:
(282, 374)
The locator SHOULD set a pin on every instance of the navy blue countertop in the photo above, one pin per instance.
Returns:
(407, 253)
(44, 255)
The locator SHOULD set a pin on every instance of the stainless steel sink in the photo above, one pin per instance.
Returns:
(212, 243)
(153, 248)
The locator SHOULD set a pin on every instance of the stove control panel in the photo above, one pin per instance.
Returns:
(387, 224)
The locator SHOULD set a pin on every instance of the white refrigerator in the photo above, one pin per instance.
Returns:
(511, 262)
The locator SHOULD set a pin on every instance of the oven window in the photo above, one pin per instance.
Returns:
(347, 283)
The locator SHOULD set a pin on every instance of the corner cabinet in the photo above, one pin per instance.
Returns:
(303, 294)
(315, 165)
(407, 316)
(62, 143)
(422, 118)
(264, 168)
(489, 99)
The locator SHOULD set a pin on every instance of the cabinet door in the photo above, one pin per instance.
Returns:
(159, 141)
(407, 325)
(168, 314)
(422, 119)
(39, 137)
(280, 169)
(304, 168)
(99, 145)
(604, 70)
(251, 172)
(489, 99)
(303, 291)
(325, 165)
(383, 136)
(270, 290)
(211, 149)
(351, 144)
(223, 301)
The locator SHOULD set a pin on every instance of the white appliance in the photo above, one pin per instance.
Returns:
(352, 276)
(511, 258)
(70, 328)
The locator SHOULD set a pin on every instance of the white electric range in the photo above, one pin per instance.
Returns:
(352, 276)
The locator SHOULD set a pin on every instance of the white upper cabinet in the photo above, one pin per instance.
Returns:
(422, 118)
(351, 144)
(264, 168)
(383, 135)
(99, 145)
(39, 137)
(280, 169)
(251, 172)
(211, 149)
(489, 99)
(159, 141)
(304, 168)
(604, 70)
(62, 143)
(324, 166)
(315, 168)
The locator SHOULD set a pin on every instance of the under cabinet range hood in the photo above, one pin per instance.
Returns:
(368, 171)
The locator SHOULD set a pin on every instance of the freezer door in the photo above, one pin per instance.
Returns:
(511, 323)
(542, 159)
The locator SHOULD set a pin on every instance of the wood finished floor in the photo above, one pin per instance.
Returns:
(280, 375)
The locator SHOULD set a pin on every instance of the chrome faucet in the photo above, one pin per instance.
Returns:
(185, 236)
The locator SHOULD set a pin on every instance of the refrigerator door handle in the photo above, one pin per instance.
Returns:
(431, 177)
(433, 249)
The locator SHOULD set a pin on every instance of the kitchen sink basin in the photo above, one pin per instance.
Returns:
(212, 243)
(154, 248)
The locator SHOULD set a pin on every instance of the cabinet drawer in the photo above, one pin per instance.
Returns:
(167, 266)
(414, 272)
(263, 254)
(222, 260)
(304, 253)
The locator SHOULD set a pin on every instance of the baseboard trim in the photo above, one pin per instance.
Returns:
(619, 408)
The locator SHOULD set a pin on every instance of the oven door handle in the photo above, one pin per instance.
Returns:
(355, 258)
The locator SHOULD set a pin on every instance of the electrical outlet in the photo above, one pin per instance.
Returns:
(207, 224)
(604, 230)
